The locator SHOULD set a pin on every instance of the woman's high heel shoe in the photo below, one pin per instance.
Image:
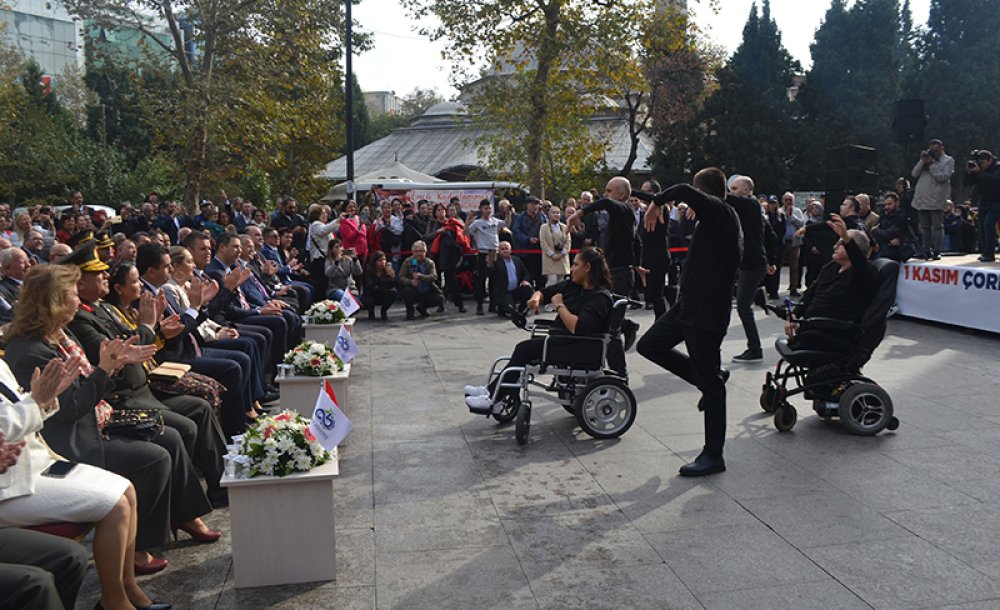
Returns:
(205, 535)
(155, 565)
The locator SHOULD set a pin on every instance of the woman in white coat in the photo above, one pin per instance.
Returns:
(85, 494)
(554, 241)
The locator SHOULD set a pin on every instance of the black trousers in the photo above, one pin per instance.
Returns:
(231, 369)
(246, 344)
(39, 571)
(622, 280)
(208, 445)
(699, 367)
(746, 287)
(279, 334)
(262, 338)
(656, 281)
(414, 298)
(506, 301)
(482, 275)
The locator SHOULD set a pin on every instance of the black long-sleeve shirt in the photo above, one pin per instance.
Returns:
(843, 294)
(755, 251)
(713, 259)
(987, 181)
(618, 238)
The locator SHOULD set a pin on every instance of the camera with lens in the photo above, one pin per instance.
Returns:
(925, 153)
(557, 247)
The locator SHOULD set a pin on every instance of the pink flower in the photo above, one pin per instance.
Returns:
(283, 417)
(309, 435)
(268, 431)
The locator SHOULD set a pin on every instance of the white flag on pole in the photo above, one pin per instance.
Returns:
(345, 346)
(349, 304)
(329, 424)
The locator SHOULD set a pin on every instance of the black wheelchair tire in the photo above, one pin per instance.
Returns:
(767, 398)
(865, 409)
(590, 424)
(511, 405)
(522, 424)
(785, 417)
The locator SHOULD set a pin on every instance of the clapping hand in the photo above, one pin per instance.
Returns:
(9, 452)
(171, 326)
(195, 292)
(53, 380)
(654, 214)
(209, 289)
(146, 314)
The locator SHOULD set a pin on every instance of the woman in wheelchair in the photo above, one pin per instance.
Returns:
(583, 305)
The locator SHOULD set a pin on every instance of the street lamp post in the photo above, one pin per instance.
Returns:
(349, 100)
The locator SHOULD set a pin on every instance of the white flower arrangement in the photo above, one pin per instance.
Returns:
(314, 359)
(282, 444)
(326, 312)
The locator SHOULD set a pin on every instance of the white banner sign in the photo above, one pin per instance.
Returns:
(469, 199)
(963, 296)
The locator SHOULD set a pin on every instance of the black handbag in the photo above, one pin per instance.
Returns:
(137, 424)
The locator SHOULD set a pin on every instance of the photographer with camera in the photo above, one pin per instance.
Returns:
(982, 171)
(933, 174)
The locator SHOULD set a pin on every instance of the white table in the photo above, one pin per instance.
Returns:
(325, 333)
(299, 392)
(282, 527)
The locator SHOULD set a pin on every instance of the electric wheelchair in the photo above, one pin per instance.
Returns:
(832, 378)
(582, 383)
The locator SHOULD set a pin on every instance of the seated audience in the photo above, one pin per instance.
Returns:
(341, 267)
(510, 282)
(418, 281)
(379, 286)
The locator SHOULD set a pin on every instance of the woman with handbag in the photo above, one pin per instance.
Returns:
(31, 495)
(168, 492)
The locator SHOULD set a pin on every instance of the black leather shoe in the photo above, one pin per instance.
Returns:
(479, 310)
(410, 316)
(724, 373)
(462, 309)
(270, 396)
(703, 465)
(629, 331)
(156, 606)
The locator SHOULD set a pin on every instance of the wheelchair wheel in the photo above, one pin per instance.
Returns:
(508, 408)
(768, 393)
(865, 409)
(785, 417)
(606, 408)
(522, 426)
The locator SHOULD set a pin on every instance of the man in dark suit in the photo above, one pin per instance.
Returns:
(231, 368)
(510, 281)
(15, 264)
(239, 309)
(95, 323)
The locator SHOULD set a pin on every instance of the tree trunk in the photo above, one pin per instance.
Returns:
(538, 117)
(196, 166)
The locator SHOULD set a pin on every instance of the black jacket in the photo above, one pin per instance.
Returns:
(619, 237)
(755, 244)
(72, 431)
(498, 277)
(987, 182)
(713, 259)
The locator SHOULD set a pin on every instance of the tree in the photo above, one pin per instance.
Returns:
(236, 62)
(360, 117)
(959, 75)
(546, 77)
(848, 94)
(747, 122)
(418, 101)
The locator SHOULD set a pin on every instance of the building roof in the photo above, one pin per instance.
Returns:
(442, 140)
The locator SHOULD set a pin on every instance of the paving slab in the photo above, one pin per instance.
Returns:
(439, 508)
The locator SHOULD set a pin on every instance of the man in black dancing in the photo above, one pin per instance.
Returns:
(700, 316)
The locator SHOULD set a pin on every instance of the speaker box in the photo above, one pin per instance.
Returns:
(908, 121)
(853, 157)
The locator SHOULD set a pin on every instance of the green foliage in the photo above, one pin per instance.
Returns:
(418, 101)
(383, 124)
(747, 122)
(959, 75)
(847, 96)
(256, 187)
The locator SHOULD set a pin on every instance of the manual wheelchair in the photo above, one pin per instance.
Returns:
(582, 383)
(832, 378)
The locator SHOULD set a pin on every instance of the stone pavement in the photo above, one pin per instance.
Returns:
(438, 508)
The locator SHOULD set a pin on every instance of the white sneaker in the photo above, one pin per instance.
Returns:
(476, 390)
(479, 404)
